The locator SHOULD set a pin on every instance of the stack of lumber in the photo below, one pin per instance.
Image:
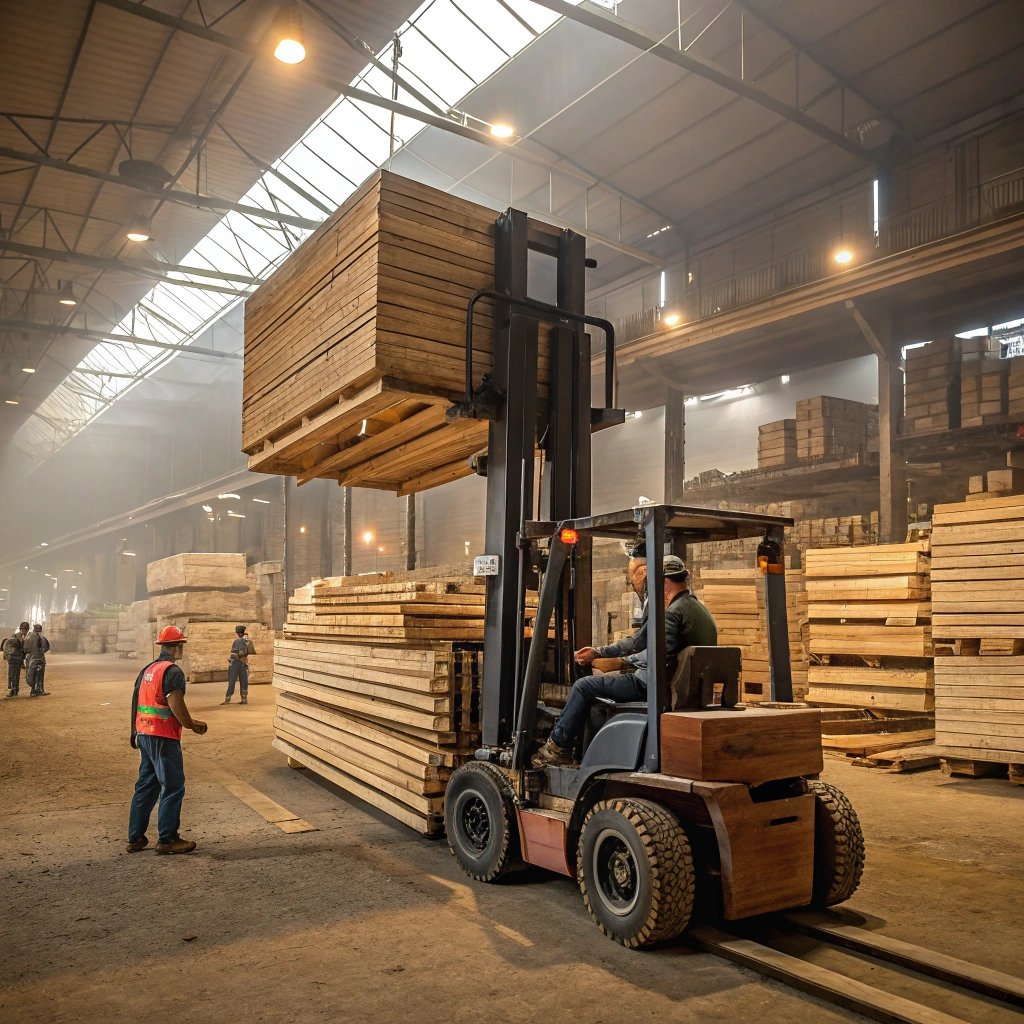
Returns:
(207, 595)
(835, 428)
(64, 630)
(735, 597)
(978, 603)
(929, 370)
(356, 346)
(776, 444)
(99, 634)
(135, 633)
(380, 687)
(984, 383)
(998, 483)
(837, 531)
(870, 632)
(1015, 389)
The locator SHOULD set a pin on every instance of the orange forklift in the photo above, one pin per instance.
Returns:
(689, 800)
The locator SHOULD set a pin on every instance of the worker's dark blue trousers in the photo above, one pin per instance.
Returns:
(14, 675)
(621, 687)
(237, 671)
(34, 676)
(161, 777)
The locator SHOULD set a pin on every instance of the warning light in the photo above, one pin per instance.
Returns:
(568, 535)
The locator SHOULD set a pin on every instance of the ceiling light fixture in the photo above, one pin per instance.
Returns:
(502, 131)
(207, 508)
(66, 293)
(139, 230)
(222, 497)
(290, 48)
(261, 501)
(28, 369)
(671, 319)
(11, 401)
(842, 256)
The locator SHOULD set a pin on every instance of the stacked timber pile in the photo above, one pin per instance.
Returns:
(380, 687)
(135, 633)
(930, 369)
(735, 597)
(837, 531)
(776, 444)
(1015, 389)
(984, 383)
(64, 631)
(835, 428)
(356, 346)
(98, 636)
(207, 595)
(998, 483)
(870, 632)
(978, 621)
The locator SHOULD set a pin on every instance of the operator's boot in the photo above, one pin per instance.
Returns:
(551, 754)
(177, 845)
(137, 845)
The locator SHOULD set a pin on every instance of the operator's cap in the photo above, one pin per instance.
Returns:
(38, 627)
(672, 568)
(240, 630)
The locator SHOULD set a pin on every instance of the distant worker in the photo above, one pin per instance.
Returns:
(36, 647)
(687, 624)
(238, 665)
(158, 715)
(14, 655)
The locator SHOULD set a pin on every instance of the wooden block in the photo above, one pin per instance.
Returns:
(750, 746)
(197, 571)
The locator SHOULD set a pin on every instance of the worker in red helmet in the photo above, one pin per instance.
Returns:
(158, 716)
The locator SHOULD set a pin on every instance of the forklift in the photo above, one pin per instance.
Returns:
(689, 801)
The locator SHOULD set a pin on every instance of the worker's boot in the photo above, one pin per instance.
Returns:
(177, 845)
(245, 700)
(137, 845)
(551, 754)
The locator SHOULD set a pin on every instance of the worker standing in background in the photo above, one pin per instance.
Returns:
(687, 624)
(36, 646)
(238, 665)
(158, 715)
(14, 655)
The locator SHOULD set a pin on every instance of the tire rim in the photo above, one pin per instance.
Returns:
(615, 873)
(474, 822)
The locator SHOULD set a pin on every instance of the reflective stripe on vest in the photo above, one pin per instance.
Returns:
(152, 715)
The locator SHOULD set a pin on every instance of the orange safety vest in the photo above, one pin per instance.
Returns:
(152, 715)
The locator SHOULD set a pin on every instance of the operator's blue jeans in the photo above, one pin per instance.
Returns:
(621, 687)
(237, 670)
(161, 777)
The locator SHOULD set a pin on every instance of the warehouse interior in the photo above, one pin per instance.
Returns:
(237, 242)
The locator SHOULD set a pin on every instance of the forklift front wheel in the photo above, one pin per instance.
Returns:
(838, 846)
(635, 871)
(479, 818)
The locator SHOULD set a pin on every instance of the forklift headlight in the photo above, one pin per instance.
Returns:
(568, 536)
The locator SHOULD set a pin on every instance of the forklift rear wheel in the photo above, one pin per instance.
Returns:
(479, 818)
(635, 871)
(838, 846)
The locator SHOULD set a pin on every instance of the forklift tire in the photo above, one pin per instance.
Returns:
(635, 871)
(479, 818)
(838, 846)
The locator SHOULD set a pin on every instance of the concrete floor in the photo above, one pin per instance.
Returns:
(365, 921)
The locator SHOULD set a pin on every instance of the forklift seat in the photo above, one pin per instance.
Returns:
(707, 677)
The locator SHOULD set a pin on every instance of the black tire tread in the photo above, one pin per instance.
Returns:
(508, 857)
(837, 882)
(671, 862)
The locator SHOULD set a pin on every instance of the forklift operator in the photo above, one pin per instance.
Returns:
(687, 624)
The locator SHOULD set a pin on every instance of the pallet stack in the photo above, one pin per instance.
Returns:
(835, 428)
(379, 686)
(98, 637)
(929, 370)
(978, 605)
(207, 595)
(64, 631)
(356, 346)
(735, 597)
(984, 383)
(776, 444)
(135, 633)
(870, 627)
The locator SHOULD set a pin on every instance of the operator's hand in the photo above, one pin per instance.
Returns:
(585, 655)
(199, 728)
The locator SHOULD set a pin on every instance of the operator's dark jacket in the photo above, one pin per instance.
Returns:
(687, 624)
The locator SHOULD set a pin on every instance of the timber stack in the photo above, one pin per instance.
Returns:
(355, 347)
(736, 599)
(835, 428)
(930, 375)
(984, 383)
(207, 594)
(379, 681)
(870, 627)
(978, 605)
(136, 635)
(776, 444)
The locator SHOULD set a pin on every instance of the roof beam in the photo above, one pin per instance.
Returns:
(152, 269)
(618, 29)
(56, 330)
(194, 200)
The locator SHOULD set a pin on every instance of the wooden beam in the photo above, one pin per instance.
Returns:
(892, 472)
(866, 329)
(675, 445)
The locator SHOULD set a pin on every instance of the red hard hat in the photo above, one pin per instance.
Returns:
(170, 635)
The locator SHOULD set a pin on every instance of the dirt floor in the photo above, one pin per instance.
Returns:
(364, 920)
